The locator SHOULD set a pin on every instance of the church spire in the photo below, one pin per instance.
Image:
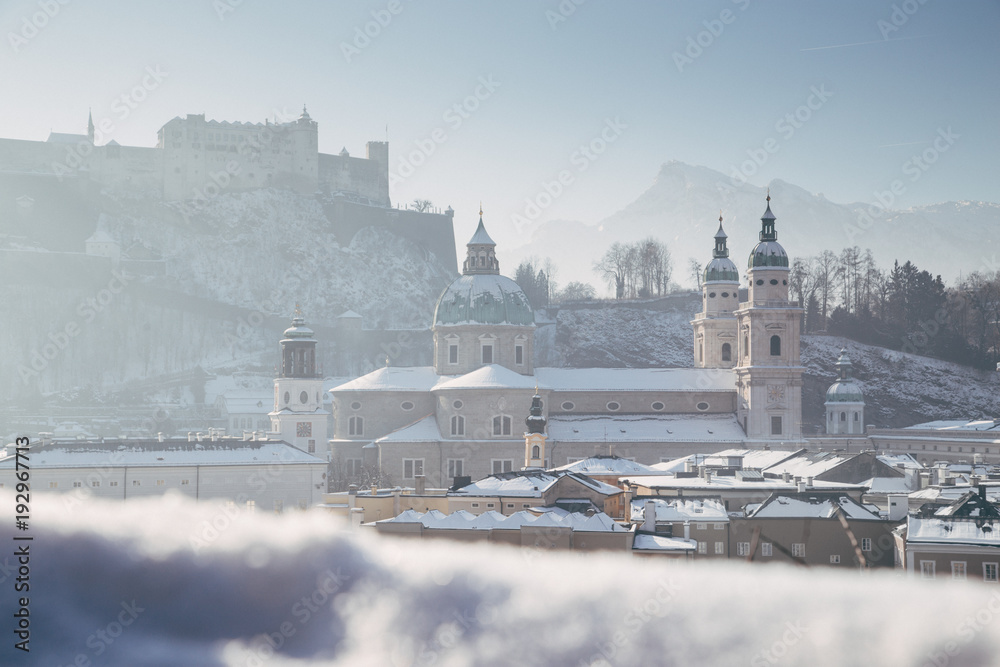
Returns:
(720, 241)
(481, 256)
(767, 230)
(90, 125)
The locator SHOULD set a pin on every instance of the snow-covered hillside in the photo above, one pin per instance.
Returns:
(901, 389)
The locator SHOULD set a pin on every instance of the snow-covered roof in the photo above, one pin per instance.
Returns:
(812, 505)
(491, 376)
(953, 531)
(63, 138)
(636, 379)
(956, 425)
(100, 236)
(389, 378)
(88, 454)
(908, 461)
(809, 464)
(721, 428)
(462, 520)
(349, 315)
(719, 483)
(681, 509)
(647, 542)
(483, 298)
(753, 459)
(608, 465)
(248, 402)
(480, 237)
(883, 485)
(528, 484)
(423, 430)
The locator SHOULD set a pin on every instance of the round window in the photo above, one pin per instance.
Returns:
(658, 405)
(288, 397)
(702, 406)
(711, 295)
(568, 405)
(760, 281)
(725, 295)
(457, 405)
(406, 405)
(614, 406)
(304, 397)
(356, 405)
(774, 281)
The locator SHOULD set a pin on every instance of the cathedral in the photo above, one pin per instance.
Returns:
(464, 416)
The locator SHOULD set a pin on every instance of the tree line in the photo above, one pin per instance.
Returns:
(636, 270)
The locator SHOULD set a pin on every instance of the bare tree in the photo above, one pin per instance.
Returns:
(696, 271)
(422, 205)
(616, 267)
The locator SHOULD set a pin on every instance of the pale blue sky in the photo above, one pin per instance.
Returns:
(557, 87)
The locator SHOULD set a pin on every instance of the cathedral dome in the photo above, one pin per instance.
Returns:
(298, 330)
(483, 298)
(845, 389)
(721, 268)
(768, 252)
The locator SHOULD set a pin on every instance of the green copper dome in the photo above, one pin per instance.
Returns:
(483, 298)
(845, 389)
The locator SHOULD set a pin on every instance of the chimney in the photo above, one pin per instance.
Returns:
(213, 434)
(159, 436)
(396, 493)
(627, 502)
(801, 484)
(687, 530)
(708, 475)
(809, 482)
(190, 436)
(898, 507)
(374, 489)
(689, 466)
(786, 476)
(925, 480)
(420, 485)
(357, 517)
(649, 516)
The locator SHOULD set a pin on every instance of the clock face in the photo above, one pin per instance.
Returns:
(775, 393)
(303, 429)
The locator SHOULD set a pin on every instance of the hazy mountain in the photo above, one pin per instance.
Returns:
(682, 208)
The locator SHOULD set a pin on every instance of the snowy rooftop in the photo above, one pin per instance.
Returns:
(608, 465)
(635, 379)
(812, 505)
(646, 542)
(530, 484)
(86, 454)
(649, 428)
(462, 520)
(753, 459)
(957, 425)
(681, 509)
(964, 531)
(491, 376)
(422, 430)
(412, 378)
(720, 483)
(810, 464)
(248, 402)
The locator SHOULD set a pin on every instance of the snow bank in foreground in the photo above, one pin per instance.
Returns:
(151, 583)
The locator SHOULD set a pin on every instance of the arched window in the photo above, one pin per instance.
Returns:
(727, 352)
(458, 425)
(746, 345)
(536, 452)
(356, 425)
(701, 352)
(775, 346)
(843, 416)
(857, 416)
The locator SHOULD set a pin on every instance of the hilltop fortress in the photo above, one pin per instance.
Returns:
(194, 156)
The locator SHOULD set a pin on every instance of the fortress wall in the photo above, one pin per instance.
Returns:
(434, 232)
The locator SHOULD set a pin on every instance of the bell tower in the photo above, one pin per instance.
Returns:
(298, 417)
(715, 326)
(768, 366)
(534, 437)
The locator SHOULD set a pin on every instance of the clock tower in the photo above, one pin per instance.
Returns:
(768, 367)
(298, 417)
